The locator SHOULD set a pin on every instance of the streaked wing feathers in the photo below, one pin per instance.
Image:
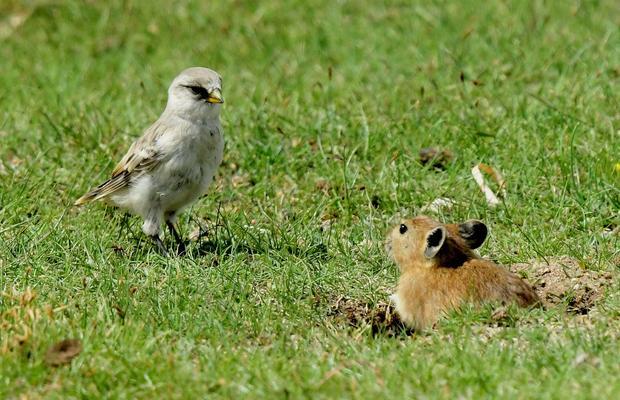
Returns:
(141, 157)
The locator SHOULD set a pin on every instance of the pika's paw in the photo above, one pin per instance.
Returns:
(393, 298)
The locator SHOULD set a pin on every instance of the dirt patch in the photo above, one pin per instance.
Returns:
(381, 318)
(564, 281)
(63, 352)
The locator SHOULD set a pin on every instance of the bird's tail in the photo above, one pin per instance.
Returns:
(87, 198)
(112, 185)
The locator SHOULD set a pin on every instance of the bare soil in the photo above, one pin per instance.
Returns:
(563, 281)
(380, 318)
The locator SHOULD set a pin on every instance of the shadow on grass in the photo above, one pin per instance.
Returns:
(226, 239)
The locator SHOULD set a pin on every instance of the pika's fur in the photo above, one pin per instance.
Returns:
(440, 271)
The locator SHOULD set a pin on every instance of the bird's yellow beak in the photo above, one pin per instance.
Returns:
(215, 96)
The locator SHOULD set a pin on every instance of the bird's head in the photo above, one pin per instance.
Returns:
(196, 93)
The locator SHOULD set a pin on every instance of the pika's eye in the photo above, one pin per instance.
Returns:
(402, 229)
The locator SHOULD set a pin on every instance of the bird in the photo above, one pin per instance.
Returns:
(175, 160)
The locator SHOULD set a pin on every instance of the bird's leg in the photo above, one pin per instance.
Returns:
(159, 244)
(152, 222)
(177, 238)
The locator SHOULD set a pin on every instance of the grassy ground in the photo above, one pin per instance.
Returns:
(327, 105)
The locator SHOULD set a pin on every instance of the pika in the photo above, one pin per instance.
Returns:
(439, 271)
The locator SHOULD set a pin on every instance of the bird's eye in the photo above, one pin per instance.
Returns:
(199, 91)
(402, 229)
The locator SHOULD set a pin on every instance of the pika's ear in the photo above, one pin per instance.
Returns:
(473, 232)
(434, 241)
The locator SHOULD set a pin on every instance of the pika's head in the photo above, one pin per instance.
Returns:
(422, 241)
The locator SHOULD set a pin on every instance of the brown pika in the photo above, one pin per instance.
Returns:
(440, 271)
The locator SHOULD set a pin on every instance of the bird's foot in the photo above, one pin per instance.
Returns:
(159, 245)
(177, 238)
(181, 250)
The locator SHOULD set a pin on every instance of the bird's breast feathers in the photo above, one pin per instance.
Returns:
(193, 158)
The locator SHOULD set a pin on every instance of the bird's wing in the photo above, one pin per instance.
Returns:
(143, 156)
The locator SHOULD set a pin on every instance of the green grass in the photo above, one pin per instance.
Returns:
(327, 105)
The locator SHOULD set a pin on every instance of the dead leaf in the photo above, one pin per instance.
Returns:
(323, 186)
(490, 196)
(438, 204)
(585, 358)
(240, 180)
(63, 352)
(11, 23)
(13, 161)
(295, 142)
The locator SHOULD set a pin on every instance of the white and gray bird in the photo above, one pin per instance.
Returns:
(172, 164)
